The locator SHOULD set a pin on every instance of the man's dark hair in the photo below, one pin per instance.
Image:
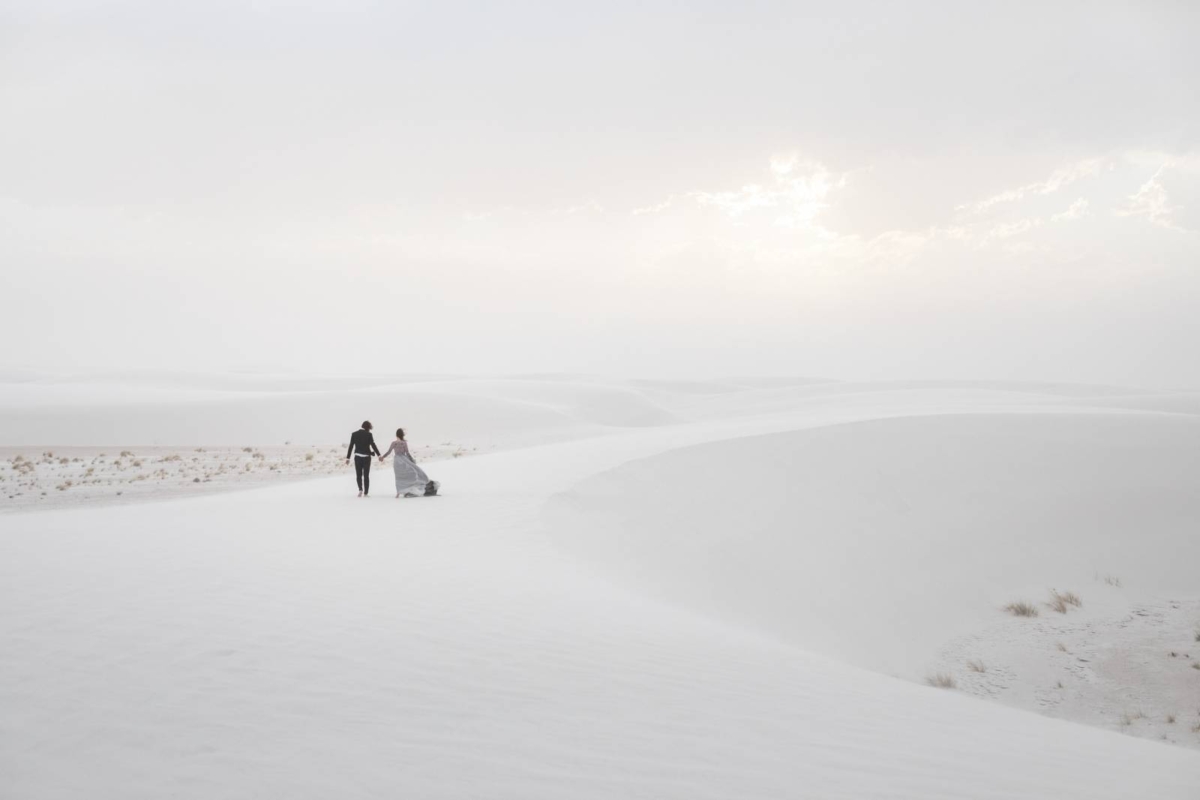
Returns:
(366, 425)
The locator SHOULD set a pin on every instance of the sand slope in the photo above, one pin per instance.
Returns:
(557, 624)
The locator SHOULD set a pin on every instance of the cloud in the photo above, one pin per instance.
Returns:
(1061, 177)
(798, 192)
(654, 209)
(1152, 202)
(1007, 230)
(1076, 210)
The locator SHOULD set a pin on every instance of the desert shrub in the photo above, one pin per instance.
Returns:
(1062, 601)
(1021, 609)
(975, 665)
(1130, 717)
(941, 680)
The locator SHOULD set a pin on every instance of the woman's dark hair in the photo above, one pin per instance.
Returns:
(366, 426)
(400, 434)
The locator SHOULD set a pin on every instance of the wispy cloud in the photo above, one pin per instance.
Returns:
(1007, 230)
(655, 208)
(797, 193)
(1061, 177)
(1152, 202)
(1076, 210)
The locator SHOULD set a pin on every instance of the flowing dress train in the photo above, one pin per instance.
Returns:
(409, 477)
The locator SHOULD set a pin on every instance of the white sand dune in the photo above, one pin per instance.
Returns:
(871, 541)
(692, 609)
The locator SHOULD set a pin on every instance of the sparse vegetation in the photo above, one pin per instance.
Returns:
(941, 680)
(1130, 717)
(1170, 719)
(975, 665)
(1063, 601)
(1062, 647)
(1021, 609)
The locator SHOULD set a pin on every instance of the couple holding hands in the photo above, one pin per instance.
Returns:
(411, 480)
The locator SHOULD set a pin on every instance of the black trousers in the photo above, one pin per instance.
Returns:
(362, 473)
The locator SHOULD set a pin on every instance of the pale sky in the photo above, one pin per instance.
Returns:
(848, 190)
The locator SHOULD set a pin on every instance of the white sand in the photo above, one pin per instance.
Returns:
(705, 593)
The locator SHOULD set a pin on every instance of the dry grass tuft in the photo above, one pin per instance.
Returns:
(1130, 717)
(1062, 601)
(941, 680)
(1021, 609)
(1062, 647)
(1170, 719)
(975, 665)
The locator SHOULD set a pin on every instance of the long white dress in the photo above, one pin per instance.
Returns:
(409, 477)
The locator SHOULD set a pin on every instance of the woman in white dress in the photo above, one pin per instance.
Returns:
(411, 480)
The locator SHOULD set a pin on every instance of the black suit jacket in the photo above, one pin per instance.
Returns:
(361, 441)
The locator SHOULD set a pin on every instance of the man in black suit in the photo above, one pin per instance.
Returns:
(362, 444)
